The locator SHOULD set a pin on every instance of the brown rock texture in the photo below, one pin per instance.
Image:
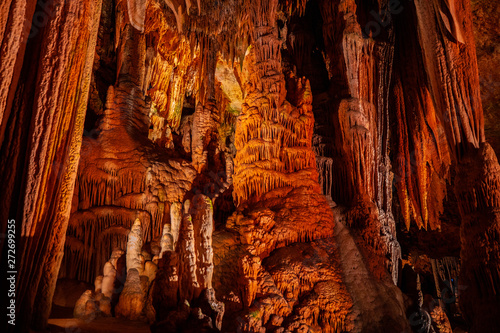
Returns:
(480, 253)
(485, 21)
(251, 166)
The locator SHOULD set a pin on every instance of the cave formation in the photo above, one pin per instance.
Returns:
(251, 165)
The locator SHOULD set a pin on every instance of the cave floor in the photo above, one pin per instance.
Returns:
(62, 321)
(108, 325)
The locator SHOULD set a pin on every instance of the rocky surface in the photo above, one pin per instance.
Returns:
(253, 166)
(485, 17)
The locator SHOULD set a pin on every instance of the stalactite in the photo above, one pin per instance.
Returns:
(325, 172)
(464, 123)
(137, 13)
(203, 125)
(419, 138)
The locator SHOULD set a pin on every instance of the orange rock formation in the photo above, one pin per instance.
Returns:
(252, 166)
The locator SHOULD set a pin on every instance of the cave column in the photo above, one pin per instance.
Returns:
(273, 137)
(54, 106)
(446, 37)
(15, 21)
(362, 81)
(204, 118)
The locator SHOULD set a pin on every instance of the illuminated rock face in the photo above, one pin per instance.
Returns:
(274, 165)
(238, 163)
(41, 136)
(357, 105)
(277, 191)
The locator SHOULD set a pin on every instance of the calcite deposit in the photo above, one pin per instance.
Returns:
(251, 165)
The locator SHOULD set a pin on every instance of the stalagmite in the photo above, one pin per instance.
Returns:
(134, 247)
(108, 280)
(175, 220)
(249, 269)
(188, 280)
(120, 175)
(203, 225)
(132, 300)
(150, 269)
(167, 240)
(98, 283)
(109, 273)
(273, 138)
(86, 307)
